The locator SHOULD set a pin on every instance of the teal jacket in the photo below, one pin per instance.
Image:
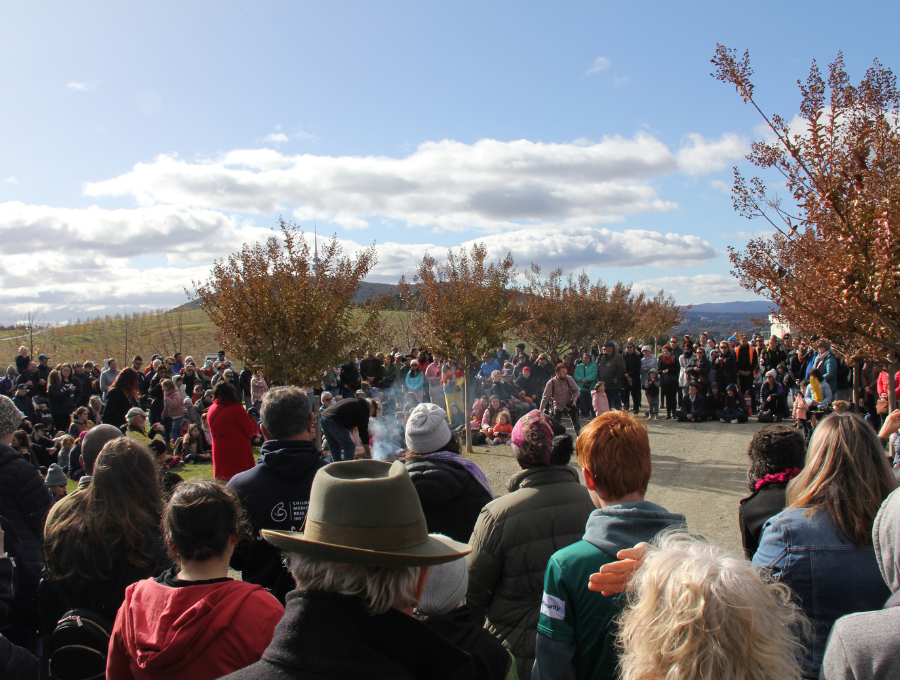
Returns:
(588, 372)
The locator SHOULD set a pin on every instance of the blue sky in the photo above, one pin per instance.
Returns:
(138, 143)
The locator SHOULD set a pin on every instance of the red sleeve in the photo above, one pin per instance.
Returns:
(248, 427)
(267, 627)
(118, 663)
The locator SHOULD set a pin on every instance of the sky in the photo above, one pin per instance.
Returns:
(140, 143)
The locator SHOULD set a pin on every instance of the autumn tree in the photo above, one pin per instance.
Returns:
(464, 307)
(279, 308)
(657, 316)
(832, 265)
(554, 311)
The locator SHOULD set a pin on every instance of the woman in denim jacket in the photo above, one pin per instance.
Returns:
(821, 545)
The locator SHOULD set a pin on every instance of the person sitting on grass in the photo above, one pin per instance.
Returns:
(191, 447)
(575, 633)
(502, 431)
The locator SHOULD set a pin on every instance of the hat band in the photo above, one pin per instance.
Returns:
(367, 538)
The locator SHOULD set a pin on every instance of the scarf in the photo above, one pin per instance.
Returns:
(785, 476)
(817, 391)
(470, 466)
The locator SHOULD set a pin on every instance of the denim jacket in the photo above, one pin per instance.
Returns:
(829, 574)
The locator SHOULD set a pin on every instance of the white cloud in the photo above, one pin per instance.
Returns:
(11, 180)
(600, 64)
(720, 185)
(699, 155)
(276, 137)
(447, 185)
(82, 86)
(715, 285)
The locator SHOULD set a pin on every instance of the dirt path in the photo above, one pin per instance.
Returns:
(698, 470)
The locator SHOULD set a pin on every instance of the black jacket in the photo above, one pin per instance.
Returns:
(24, 501)
(531, 386)
(275, 495)
(632, 369)
(326, 636)
(117, 405)
(756, 510)
(451, 498)
(62, 399)
(350, 379)
(350, 413)
(244, 379)
(724, 370)
(464, 628)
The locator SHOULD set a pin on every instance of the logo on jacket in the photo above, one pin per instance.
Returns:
(279, 514)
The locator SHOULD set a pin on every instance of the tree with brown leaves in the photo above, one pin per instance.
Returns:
(462, 307)
(833, 263)
(280, 310)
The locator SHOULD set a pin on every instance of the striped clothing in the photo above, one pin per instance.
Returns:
(562, 393)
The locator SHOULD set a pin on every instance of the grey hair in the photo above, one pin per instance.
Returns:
(381, 588)
(285, 412)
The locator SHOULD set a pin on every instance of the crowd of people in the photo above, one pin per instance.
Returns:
(378, 550)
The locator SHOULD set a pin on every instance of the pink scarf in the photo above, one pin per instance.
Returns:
(785, 476)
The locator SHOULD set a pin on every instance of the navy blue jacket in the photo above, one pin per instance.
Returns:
(275, 495)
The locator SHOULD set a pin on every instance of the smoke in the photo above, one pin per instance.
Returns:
(387, 438)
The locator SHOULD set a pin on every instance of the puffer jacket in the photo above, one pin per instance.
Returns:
(647, 364)
(546, 510)
(24, 501)
(586, 372)
(451, 497)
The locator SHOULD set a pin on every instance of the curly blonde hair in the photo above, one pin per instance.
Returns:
(699, 612)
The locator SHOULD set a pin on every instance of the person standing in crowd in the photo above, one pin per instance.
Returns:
(724, 367)
(22, 360)
(275, 493)
(611, 372)
(451, 489)
(181, 624)
(516, 534)
(371, 369)
(106, 538)
(415, 380)
(698, 611)
(349, 377)
(232, 432)
(773, 355)
(777, 454)
(339, 419)
(687, 374)
(452, 384)
(826, 530)
(585, 377)
(827, 364)
(747, 362)
(563, 392)
(62, 400)
(575, 633)
(83, 380)
(245, 381)
(258, 389)
(24, 499)
(108, 376)
(122, 396)
(355, 577)
(632, 386)
(668, 380)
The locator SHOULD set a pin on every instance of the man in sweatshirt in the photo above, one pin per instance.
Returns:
(275, 493)
(575, 634)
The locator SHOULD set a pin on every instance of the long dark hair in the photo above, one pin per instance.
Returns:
(224, 391)
(124, 502)
(127, 381)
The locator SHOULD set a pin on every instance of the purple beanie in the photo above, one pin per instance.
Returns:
(531, 439)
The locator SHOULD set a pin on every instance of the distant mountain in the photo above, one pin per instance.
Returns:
(748, 307)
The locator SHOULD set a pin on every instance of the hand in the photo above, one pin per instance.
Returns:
(690, 416)
(891, 424)
(614, 577)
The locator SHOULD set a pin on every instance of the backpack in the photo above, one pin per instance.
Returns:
(79, 645)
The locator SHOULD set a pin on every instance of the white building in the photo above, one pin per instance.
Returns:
(778, 328)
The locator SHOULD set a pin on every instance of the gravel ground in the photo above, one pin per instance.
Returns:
(698, 470)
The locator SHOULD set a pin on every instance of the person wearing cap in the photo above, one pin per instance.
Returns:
(29, 378)
(23, 403)
(631, 388)
(365, 533)
(611, 372)
(516, 534)
(56, 481)
(772, 401)
(576, 630)
(585, 377)
(528, 386)
(445, 610)
(275, 493)
(43, 371)
(451, 489)
(24, 498)
(138, 429)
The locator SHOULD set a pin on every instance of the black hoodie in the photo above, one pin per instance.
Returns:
(275, 495)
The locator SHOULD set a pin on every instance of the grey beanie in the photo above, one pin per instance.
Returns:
(10, 416)
(55, 476)
(427, 429)
(445, 588)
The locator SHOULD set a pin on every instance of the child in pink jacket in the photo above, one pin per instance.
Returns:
(599, 399)
(800, 408)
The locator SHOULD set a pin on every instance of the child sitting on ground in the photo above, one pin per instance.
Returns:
(502, 431)
(599, 399)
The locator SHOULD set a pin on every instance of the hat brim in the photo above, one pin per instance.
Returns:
(436, 550)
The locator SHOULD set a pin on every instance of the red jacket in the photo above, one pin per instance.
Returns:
(883, 385)
(192, 632)
(231, 429)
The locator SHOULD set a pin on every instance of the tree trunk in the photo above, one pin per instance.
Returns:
(857, 384)
(466, 372)
(892, 391)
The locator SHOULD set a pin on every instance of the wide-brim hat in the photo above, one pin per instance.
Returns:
(367, 512)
